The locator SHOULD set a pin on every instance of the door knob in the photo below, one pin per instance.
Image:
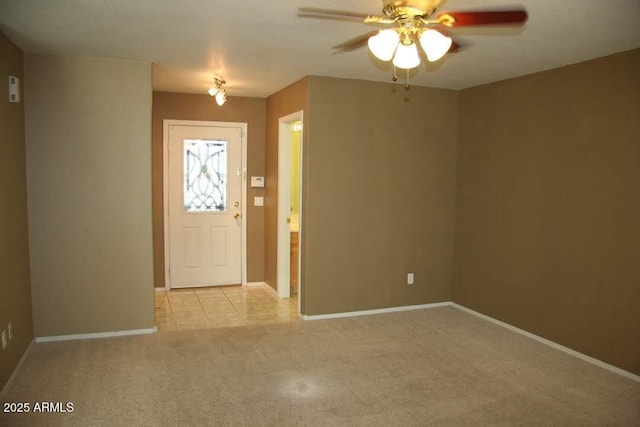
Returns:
(236, 216)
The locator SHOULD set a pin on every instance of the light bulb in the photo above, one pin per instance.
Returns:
(406, 56)
(435, 44)
(221, 97)
(383, 44)
(213, 91)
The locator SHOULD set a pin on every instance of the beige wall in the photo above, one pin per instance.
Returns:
(88, 124)
(287, 101)
(179, 106)
(548, 202)
(15, 292)
(379, 195)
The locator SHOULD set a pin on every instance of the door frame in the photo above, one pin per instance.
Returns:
(165, 189)
(283, 279)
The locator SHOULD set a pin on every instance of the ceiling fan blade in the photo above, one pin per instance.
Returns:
(342, 15)
(356, 42)
(464, 19)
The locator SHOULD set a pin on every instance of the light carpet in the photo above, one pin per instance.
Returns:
(430, 367)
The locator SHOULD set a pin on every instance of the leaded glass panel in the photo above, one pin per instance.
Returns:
(205, 175)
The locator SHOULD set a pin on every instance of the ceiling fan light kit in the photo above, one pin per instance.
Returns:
(386, 45)
(435, 44)
(383, 45)
(406, 56)
(414, 21)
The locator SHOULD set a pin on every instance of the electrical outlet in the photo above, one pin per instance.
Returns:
(10, 330)
(410, 279)
(4, 339)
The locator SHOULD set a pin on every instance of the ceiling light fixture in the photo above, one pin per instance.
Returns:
(400, 45)
(218, 90)
(383, 45)
(221, 97)
(413, 22)
(435, 44)
(406, 56)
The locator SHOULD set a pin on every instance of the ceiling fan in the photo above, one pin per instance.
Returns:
(413, 22)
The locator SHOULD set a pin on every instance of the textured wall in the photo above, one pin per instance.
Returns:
(379, 195)
(548, 202)
(15, 292)
(180, 106)
(88, 124)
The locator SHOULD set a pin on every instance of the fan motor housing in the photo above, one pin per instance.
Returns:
(399, 8)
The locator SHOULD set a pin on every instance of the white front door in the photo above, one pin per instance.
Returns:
(204, 192)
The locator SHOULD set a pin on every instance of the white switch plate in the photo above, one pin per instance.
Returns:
(14, 89)
(258, 201)
(257, 181)
(410, 279)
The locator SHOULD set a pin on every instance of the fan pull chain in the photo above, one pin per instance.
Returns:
(395, 78)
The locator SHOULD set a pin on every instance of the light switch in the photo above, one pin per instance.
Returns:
(258, 201)
(14, 89)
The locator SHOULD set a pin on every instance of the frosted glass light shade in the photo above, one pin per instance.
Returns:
(435, 44)
(213, 91)
(406, 56)
(383, 44)
(221, 97)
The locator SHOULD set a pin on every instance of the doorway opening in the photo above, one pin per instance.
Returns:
(290, 148)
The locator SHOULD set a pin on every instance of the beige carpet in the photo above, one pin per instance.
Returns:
(431, 367)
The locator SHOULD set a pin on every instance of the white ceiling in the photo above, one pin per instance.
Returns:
(262, 46)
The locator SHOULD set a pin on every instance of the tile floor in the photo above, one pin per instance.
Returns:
(221, 307)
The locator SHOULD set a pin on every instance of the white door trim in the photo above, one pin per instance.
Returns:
(165, 188)
(284, 201)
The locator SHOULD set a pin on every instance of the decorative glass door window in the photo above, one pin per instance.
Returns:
(205, 175)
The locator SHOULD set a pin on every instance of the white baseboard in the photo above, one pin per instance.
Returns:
(18, 366)
(550, 343)
(374, 311)
(255, 284)
(262, 284)
(97, 335)
(535, 337)
(273, 291)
